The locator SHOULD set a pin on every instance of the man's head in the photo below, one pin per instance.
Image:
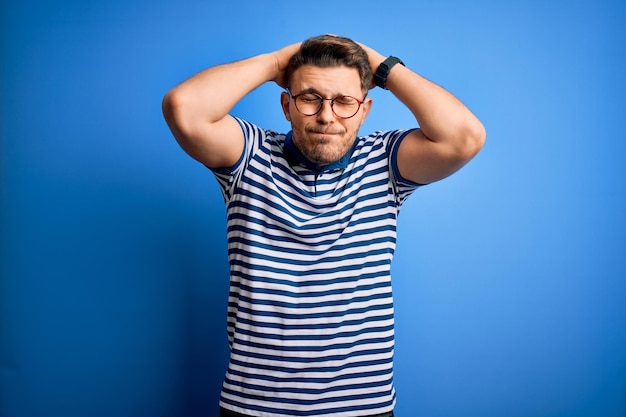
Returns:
(327, 67)
(332, 51)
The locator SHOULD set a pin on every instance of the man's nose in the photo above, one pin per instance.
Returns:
(326, 112)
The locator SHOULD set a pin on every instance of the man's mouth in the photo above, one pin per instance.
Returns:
(323, 132)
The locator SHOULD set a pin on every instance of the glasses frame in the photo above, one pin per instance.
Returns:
(322, 100)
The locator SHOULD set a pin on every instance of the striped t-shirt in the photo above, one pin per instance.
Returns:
(310, 310)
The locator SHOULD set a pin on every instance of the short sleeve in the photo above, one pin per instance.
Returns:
(402, 187)
(228, 178)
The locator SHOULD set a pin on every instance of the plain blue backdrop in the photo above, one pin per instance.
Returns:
(510, 276)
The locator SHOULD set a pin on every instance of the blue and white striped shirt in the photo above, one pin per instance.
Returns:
(310, 309)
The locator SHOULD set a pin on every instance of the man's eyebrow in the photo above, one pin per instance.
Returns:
(312, 90)
(309, 91)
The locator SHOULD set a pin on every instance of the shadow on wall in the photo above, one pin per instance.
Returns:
(206, 347)
(116, 300)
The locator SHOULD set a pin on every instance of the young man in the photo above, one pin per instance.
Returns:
(312, 218)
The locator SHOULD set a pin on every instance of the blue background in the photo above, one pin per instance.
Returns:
(510, 276)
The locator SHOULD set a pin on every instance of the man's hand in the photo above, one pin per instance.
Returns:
(281, 60)
(375, 59)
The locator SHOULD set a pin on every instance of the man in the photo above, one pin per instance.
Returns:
(312, 216)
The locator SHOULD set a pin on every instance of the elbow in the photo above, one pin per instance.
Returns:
(178, 113)
(479, 136)
(474, 139)
(170, 106)
(178, 116)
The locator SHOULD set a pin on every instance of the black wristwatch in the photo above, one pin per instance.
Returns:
(380, 77)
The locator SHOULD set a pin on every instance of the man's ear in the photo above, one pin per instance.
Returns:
(284, 102)
(367, 105)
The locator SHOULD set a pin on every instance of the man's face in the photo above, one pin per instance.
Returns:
(324, 138)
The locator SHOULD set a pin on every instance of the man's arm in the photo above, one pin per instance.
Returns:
(449, 136)
(197, 109)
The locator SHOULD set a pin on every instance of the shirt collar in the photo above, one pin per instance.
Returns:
(295, 157)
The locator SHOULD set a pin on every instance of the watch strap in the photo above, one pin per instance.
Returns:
(380, 77)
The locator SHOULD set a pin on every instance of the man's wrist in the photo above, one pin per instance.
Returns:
(382, 72)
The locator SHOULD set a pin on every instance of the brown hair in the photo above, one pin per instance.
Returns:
(330, 51)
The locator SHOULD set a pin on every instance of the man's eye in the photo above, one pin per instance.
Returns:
(309, 98)
(345, 100)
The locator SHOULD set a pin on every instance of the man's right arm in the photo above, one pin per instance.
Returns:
(197, 109)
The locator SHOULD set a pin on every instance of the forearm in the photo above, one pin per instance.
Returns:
(209, 96)
(197, 109)
(441, 116)
(449, 135)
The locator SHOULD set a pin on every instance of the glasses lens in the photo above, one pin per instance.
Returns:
(309, 104)
(345, 106)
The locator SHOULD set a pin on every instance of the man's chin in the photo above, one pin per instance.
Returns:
(324, 148)
(324, 157)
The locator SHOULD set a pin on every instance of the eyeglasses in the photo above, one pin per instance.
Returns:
(310, 104)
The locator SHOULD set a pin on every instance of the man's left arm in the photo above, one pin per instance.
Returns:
(449, 135)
